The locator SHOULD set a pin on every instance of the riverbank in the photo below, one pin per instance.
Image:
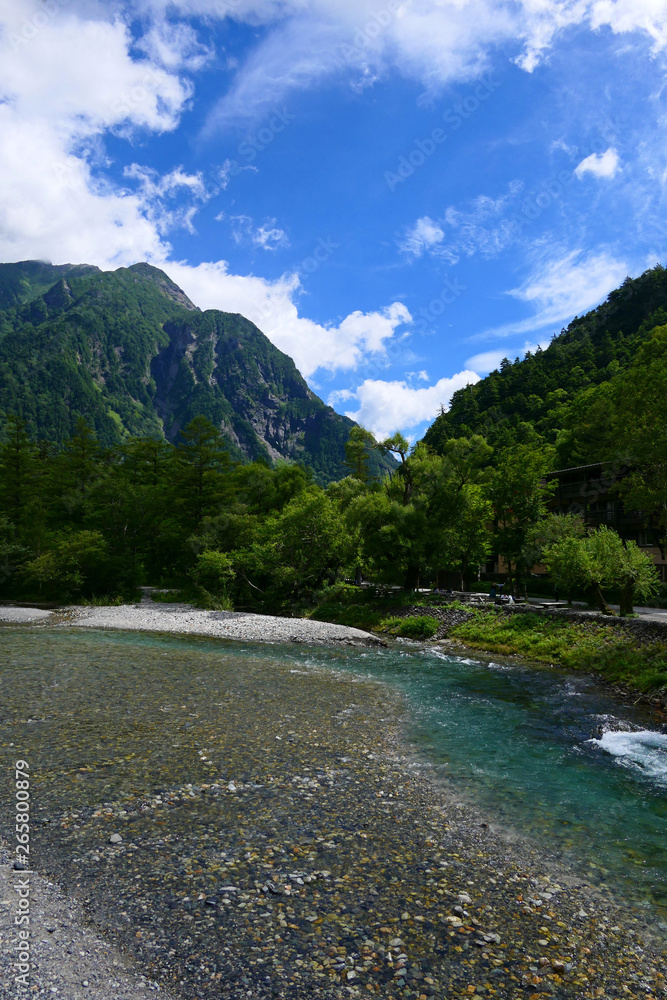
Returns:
(630, 653)
(253, 827)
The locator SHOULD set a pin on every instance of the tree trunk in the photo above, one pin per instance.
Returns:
(627, 607)
(598, 600)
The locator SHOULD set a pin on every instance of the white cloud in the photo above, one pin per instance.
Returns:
(64, 81)
(385, 407)
(560, 288)
(423, 235)
(270, 237)
(599, 164)
(480, 227)
(622, 16)
(155, 186)
(267, 236)
(157, 191)
(175, 46)
(80, 75)
(52, 208)
(488, 361)
(271, 305)
(435, 42)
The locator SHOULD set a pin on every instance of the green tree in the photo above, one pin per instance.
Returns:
(77, 564)
(602, 561)
(200, 474)
(357, 453)
(12, 557)
(398, 445)
(18, 459)
(544, 535)
(393, 535)
(293, 554)
(214, 573)
(640, 432)
(448, 487)
(467, 539)
(518, 494)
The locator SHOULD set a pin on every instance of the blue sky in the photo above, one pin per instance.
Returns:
(398, 192)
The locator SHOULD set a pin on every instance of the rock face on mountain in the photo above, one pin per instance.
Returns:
(132, 354)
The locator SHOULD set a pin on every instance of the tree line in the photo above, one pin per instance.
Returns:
(88, 522)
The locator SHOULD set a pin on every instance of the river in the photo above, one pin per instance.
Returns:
(549, 754)
(167, 772)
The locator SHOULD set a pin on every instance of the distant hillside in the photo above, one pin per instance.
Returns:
(128, 351)
(556, 395)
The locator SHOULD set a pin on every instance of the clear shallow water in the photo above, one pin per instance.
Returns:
(546, 753)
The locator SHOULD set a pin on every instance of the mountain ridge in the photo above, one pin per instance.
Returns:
(552, 396)
(130, 352)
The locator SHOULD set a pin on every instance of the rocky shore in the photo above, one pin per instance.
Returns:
(250, 829)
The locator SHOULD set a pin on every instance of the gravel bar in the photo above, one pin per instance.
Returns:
(19, 616)
(184, 619)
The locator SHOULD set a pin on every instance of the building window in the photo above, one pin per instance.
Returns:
(643, 538)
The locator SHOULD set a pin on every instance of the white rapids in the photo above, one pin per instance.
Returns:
(644, 751)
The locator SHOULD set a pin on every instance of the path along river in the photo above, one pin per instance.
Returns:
(123, 730)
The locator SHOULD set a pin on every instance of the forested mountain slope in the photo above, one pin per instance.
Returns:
(559, 396)
(130, 353)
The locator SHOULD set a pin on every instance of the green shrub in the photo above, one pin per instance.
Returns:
(410, 627)
(79, 565)
(340, 593)
(419, 627)
(391, 624)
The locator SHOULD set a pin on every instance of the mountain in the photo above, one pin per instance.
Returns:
(132, 354)
(556, 396)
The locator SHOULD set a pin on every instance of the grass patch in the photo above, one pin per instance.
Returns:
(575, 645)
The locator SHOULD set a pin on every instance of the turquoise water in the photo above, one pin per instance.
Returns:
(549, 754)
(545, 753)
